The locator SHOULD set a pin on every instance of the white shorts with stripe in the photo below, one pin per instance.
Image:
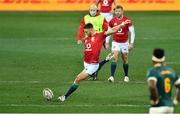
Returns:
(121, 47)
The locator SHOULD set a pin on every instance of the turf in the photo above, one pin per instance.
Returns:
(38, 50)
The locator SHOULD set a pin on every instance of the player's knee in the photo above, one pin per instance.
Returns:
(114, 59)
(77, 80)
(125, 61)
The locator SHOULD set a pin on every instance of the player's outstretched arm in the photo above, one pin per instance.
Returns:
(116, 28)
(97, 3)
(115, 3)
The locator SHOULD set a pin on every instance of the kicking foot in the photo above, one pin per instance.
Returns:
(62, 98)
(111, 79)
(109, 56)
(93, 77)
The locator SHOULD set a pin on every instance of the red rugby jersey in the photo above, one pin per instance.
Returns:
(92, 47)
(120, 36)
(105, 5)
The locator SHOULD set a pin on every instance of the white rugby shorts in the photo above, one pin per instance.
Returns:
(91, 68)
(121, 47)
(108, 16)
(161, 110)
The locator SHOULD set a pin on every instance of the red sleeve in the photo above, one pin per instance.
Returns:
(105, 25)
(102, 36)
(81, 30)
(111, 23)
(130, 24)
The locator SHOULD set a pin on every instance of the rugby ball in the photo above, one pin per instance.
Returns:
(48, 94)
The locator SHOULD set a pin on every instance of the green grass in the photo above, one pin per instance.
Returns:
(39, 50)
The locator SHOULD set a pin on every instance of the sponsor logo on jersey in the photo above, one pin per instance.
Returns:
(166, 72)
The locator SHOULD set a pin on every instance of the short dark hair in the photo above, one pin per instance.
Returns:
(88, 26)
(158, 53)
(118, 7)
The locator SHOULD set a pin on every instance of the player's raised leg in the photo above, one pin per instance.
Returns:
(101, 64)
(81, 76)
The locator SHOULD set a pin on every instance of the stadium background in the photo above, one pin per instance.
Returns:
(82, 5)
(38, 49)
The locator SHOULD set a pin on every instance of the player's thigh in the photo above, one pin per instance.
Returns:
(81, 76)
(116, 54)
(115, 50)
(161, 110)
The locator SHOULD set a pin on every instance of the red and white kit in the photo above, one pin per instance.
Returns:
(92, 50)
(120, 38)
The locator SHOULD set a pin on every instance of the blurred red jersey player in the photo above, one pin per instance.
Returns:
(121, 44)
(98, 21)
(105, 11)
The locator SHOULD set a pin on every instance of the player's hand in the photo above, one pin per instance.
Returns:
(175, 101)
(125, 22)
(153, 103)
(107, 46)
(79, 42)
(131, 46)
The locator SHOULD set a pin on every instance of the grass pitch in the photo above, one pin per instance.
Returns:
(38, 50)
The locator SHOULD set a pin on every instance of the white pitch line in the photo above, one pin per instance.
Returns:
(81, 105)
(173, 62)
(70, 82)
(38, 38)
(105, 81)
(16, 81)
(146, 38)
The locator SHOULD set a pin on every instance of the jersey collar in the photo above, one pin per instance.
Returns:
(158, 65)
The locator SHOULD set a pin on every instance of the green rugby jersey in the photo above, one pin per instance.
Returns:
(166, 77)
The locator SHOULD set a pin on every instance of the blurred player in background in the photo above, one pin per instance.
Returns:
(161, 80)
(92, 48)
(121, 43)
(99, 22)
(105, 11)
